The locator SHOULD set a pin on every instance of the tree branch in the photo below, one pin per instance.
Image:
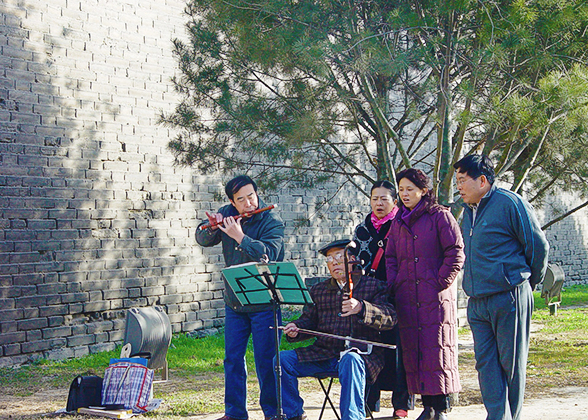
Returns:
(563, 216)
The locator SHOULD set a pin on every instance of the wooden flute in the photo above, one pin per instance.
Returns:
(239, 216)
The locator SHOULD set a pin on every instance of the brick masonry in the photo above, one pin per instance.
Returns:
(568, 238)
(94, 216)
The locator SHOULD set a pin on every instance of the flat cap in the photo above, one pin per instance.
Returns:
(340, 243)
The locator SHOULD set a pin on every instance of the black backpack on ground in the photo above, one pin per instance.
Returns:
(84, 391)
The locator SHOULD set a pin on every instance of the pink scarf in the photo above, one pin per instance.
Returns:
(378, 223)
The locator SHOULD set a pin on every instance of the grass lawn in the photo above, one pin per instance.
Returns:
(558, 357)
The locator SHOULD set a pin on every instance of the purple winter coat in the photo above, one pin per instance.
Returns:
(423, 257)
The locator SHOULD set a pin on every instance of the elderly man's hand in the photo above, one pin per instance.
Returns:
(291, 330)
(351, 307)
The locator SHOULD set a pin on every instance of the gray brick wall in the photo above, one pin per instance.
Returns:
(94, 216)
(568, 238)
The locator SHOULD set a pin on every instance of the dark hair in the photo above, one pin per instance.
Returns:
(384, 184)
(421, 180)
(237, 183)
(475, 166)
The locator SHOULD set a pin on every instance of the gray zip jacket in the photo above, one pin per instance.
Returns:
(504, 245)
(264, 234)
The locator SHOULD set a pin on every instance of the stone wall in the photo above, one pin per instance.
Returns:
(95, 218)
(568, 238)
(91, 208)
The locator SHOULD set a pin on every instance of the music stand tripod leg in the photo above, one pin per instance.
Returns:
(278, 368)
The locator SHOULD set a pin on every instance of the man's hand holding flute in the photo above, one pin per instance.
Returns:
(228, 225)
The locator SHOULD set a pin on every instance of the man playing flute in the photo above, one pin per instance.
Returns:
(246, 238)
(361, 316)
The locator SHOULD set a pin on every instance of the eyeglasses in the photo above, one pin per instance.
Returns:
(336, 257)
(460, 181)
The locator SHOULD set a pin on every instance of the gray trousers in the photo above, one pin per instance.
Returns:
(500, 326)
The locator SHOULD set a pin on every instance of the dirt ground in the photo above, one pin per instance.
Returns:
(546, 397)
(567, 403)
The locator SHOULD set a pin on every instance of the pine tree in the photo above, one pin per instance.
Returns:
(301, 91)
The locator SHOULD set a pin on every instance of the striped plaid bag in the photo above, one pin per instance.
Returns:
(129, 384)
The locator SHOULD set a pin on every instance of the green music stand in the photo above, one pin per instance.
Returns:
(275, 283)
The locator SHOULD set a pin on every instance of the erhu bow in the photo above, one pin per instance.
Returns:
(341, 337)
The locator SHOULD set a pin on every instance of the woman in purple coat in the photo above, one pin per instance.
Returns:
(423, 256)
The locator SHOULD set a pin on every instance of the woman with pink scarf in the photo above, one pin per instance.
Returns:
(370, 237)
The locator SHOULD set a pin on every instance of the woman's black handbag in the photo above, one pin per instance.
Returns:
(84, 391)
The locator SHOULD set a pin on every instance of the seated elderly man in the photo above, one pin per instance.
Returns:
(362, 316)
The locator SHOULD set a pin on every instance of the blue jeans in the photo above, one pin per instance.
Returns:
(238, 327)
(500, 326)
(352, 376)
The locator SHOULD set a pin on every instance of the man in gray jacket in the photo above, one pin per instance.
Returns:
(506, 257)
(246, 239)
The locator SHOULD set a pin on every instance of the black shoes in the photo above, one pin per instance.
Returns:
(440, 415)
(429, 413)
(300, 417)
